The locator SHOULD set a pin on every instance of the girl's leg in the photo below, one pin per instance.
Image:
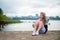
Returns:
(35, 28)
(39, 28)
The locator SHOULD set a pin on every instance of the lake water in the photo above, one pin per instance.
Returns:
(27, 26)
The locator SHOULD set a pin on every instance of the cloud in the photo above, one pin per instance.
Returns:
(30, 7)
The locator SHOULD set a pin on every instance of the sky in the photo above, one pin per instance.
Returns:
(19, 8)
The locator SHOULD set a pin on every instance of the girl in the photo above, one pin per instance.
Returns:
(39, 25)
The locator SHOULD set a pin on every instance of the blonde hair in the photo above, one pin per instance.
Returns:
(44, 17)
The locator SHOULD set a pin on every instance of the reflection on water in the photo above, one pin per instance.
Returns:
(27, 26)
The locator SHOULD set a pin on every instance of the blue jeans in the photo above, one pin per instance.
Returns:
(43, 30)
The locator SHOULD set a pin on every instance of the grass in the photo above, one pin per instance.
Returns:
(10, 21)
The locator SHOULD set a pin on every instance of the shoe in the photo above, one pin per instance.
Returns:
(37, 33)
(34, 33)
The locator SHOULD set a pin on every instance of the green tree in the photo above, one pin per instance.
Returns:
(1, 11)
(2, 17)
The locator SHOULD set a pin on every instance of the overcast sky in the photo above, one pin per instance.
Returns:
(30, 7)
